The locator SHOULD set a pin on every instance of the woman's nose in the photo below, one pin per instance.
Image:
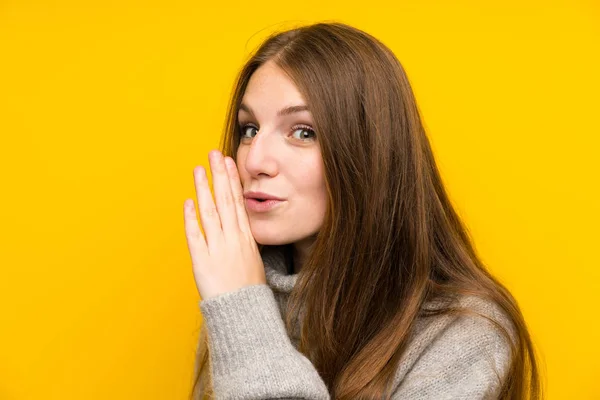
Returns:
(262, 157)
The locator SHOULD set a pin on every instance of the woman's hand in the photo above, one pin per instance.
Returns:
(226, 259)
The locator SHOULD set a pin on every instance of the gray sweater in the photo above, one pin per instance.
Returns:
(252, 356)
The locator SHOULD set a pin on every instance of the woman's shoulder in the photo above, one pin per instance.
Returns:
(457, 347)
(474, 311)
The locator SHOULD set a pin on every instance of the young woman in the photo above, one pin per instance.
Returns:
(333, 265)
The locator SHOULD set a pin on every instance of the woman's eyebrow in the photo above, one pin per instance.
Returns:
(283, 112)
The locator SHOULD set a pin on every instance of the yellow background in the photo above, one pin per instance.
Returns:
(106, 107)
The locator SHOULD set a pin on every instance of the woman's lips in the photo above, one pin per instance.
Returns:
(255, 205)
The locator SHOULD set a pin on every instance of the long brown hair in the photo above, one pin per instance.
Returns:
(390, 240)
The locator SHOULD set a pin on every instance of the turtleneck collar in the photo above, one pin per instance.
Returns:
(278, 266)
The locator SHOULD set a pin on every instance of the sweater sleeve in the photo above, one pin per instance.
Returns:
(251, 354)
(468, 360)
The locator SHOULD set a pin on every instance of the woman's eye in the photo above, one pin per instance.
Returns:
(305, 133)
(245, 130)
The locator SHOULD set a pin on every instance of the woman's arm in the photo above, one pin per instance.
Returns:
(251, 354)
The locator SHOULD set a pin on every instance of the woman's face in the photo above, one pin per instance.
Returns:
(280, 156)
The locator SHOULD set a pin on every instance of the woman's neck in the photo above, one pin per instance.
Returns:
(300, 251)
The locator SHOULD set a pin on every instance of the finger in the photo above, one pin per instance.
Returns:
(195, 240)
(223, 195)
(209, 215)
(238, 195)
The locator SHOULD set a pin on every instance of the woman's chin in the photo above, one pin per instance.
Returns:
(270, 240)
(268, 236)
